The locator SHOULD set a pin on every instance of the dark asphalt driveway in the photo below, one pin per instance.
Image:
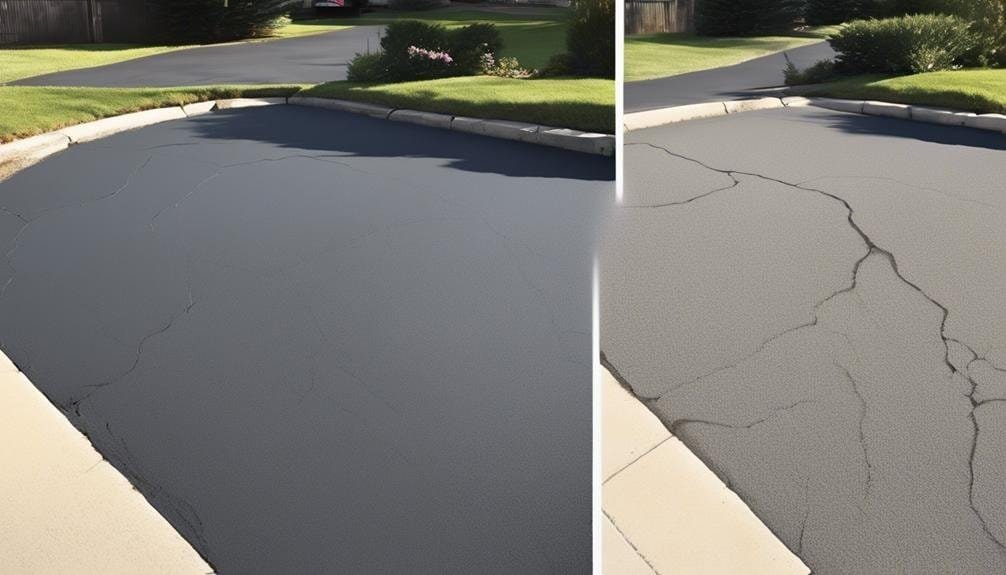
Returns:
(812, 301)
(745, 80)
(321, 343)
(305, 60)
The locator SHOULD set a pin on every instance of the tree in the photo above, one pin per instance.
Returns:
(212, 21)
(746, 17)
(837, 11)
(590, 40)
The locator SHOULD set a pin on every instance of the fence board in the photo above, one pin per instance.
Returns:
(70, 21)
(652, 16)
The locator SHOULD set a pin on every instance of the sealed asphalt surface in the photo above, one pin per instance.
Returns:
(306, 60)
(745, 80)
(812, 301)
(318, 342)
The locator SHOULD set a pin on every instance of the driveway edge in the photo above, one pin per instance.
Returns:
(930, 115)
(66, 508)
(20, 154)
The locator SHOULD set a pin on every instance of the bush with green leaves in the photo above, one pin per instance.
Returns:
(468, 44)
(590, 40)
(367, 68)
(746, 17)
(415, 50)
(988, 18)
(903, 45)
(818, 73)
(183, 21)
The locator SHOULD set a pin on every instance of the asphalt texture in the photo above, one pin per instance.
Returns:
(758, 77)
(812, 301)
(305, 60)
(319, 342)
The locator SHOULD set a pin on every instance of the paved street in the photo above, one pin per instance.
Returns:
(305, 60)
(746, 80)
(812, 302)
(318, 342)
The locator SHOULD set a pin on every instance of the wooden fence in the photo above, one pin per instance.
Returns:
(72, 21)
(652, 16)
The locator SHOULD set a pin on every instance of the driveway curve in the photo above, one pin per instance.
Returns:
(306, 60)
(745, 80)
(319, 342)
(812, 302)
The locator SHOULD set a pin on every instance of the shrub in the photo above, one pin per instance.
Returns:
(470, 43)
(412, 5)
(904, 45)
(401, 36)
(820, 72)
(209, 21)
(505, 67)
(988, 19)
(557, 65)
(367, 68)
(819, 12)
(746, 17)
(590, 39)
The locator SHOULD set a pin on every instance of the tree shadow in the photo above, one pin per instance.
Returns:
(331, 131)
(897, 128)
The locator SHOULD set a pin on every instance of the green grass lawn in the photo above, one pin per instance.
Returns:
(31, 110)
(18, 63)
(581, 103)
(660, 55)
(982, 91)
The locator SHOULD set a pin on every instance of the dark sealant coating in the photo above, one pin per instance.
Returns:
(318, 342)
(745, 80)
(812, 301)
(306, 60)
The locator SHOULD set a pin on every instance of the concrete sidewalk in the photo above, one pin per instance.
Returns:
(666, 512)
(64, 508)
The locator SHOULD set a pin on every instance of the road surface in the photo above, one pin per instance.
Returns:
(305, 60)
(318, 342)
(746, 80)
(812, 301)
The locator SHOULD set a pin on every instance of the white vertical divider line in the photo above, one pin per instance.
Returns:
(597, 517)
(619, 99)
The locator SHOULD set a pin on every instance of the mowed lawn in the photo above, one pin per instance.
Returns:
(32, 110)
(28, 61)
(582, 103)
(981, 91)
(651, 56)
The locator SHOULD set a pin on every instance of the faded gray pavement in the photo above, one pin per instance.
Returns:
(812, 301)
(745, 80)
(306, 60)
(319, 342)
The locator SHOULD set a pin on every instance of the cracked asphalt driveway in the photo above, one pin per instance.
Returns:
(319, 342)
(812, 301)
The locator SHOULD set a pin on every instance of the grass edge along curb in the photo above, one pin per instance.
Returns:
(19, 154)
(946, 117)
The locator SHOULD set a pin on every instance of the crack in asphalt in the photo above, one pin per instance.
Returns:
(872, 247)
(9, 256)
(677, 423)
(863, 407)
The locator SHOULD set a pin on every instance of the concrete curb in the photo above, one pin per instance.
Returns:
(945, 117)
(19, 154)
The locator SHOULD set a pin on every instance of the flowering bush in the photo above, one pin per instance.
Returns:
(506, 67)
(431, 55)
